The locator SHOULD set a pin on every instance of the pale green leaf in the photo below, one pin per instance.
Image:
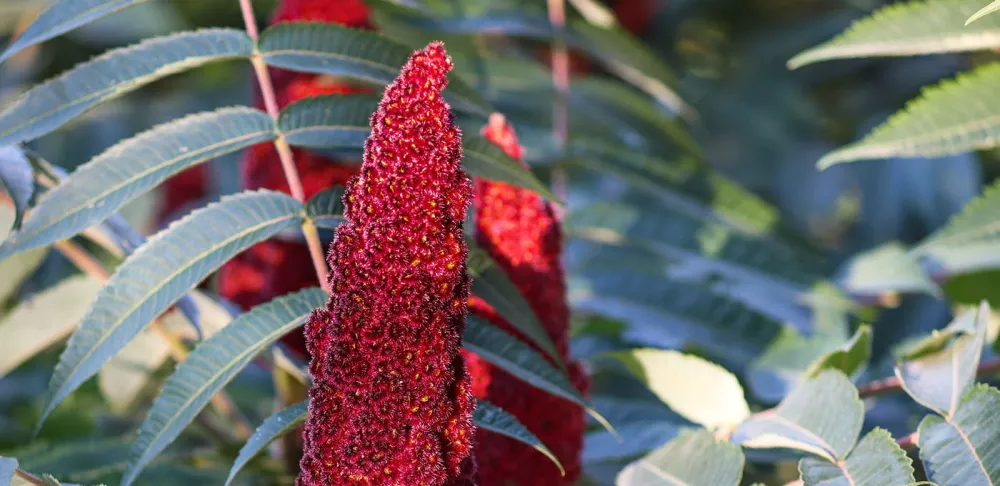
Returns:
(341, 51)
(334, 121)
(699, 390)
(134, 166)
(939, 370)
(887, 269)
(875, 461)
(326, 208)
(17, 268)
(482, 158)
(822, 415)
(273, 427)
(907, 29)
(963, 450)
(160, 272)
(851, 358)
(969, 241)
(17, 179)
(494, 419)
(212, 365)
(693, 458)
(992, 7)
(124, 377)
(491, 283)
(44, 319)
(953, 117)
(62, 16)
(53, 103)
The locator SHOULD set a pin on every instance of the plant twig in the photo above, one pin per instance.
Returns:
(893, 384)
(281, 145)
(560, 81)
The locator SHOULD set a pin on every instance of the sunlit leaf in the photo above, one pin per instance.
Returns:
(18, 268)
(44, 319)
(969, 242)
(887, 269)
(159, 273)
(851, 358)
(53, 103)
(822, 415)
(694, 458)
(992, 7)
(701, 391)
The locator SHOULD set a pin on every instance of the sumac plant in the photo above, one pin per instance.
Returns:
(478, 242)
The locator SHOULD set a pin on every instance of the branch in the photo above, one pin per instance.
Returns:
(560, 81)
(892, 384)
(281, 145)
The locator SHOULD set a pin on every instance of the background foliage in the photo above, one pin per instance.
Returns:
(745, 316)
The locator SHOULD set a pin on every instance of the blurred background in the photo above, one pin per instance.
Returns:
(756, 121)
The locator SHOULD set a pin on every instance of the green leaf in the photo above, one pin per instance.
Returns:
(612, 46)
(907, 29)
(491, 283)
(341, 51)
(17, 178)
(128, 373)
(340, 121)
(822, 416)
(992, 7)
(887, 269)
(76, 458)
(18, 268)
(876, 461)
(683, 184)
(211, 366)
(517, 358)
(699, 390)
(953, 117)
(486, 416)
(850, 359)
(7, 467)
(326, 208)
(693, 458)
(962, 450)
(939, 370)
(273, 427)
(127, 170)
(968, 242)
(482, 158)
(673, 313)
(53, 103)
(62, 16)
(42, 320)
(494, 419)
(160, 272)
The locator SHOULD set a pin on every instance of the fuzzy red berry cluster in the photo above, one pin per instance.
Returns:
(520, 231)
(391, 401)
